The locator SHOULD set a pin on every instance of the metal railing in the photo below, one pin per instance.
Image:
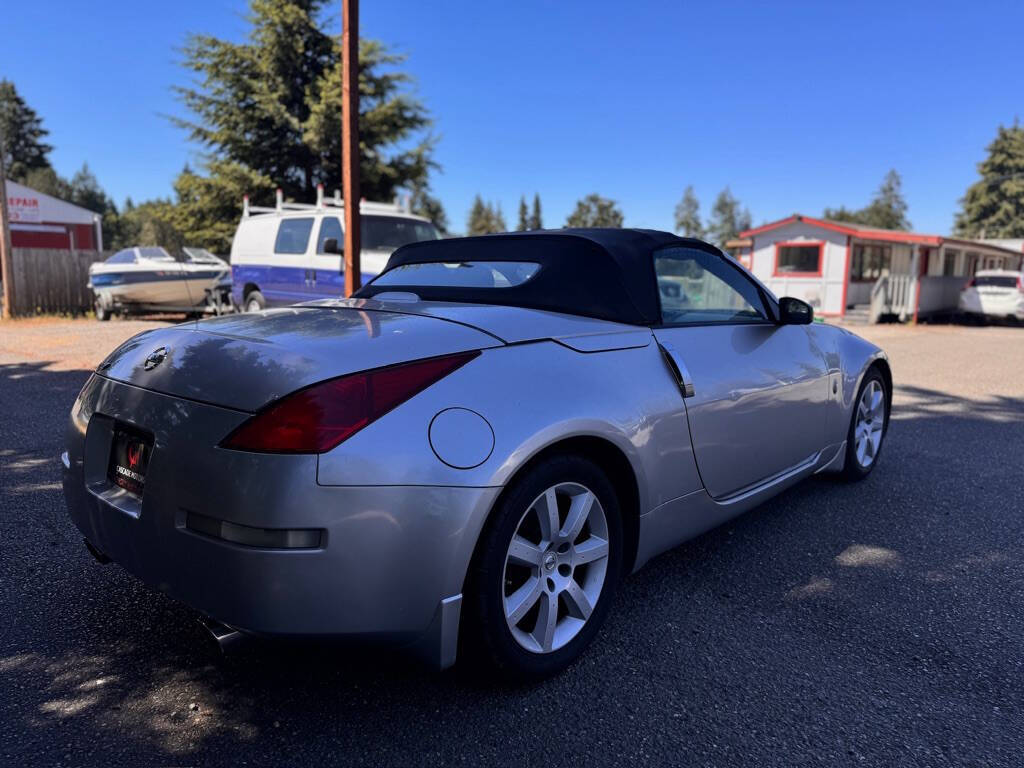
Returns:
(892, 295)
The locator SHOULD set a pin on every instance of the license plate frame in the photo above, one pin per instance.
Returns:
(130, 452)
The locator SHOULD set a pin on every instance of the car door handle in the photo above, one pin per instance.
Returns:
(675, 363)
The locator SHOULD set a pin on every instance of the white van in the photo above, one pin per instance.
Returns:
(278, 256)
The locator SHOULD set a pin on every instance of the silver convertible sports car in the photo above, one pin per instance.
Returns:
(473, 451)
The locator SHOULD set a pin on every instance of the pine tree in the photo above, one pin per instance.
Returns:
(727, 219)
(524, 216)
(484, 218)
(887, 209)
(994, 205)
(536, 222)
(688, 215)
(22, 133)
(595, 211)
(426, 205)
(207, 208)
(270, 108)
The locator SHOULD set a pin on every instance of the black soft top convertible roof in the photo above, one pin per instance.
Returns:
(602, 273)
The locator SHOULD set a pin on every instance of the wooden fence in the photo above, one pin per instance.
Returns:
(52, 281)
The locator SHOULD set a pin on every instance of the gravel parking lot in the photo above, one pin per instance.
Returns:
(880, 623)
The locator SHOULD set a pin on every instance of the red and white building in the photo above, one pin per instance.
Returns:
(841, 268)
(42, 221)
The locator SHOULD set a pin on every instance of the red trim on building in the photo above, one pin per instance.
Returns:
(846, 275)
(882, 235)
(803, 244)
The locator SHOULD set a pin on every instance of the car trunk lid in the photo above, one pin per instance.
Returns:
(245, 361)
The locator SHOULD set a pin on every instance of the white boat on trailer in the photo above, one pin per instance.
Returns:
(150, 279)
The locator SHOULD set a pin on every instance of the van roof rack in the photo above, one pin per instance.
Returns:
(324, 203)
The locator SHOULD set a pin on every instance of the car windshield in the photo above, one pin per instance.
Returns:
(995, 281)
(127, 256)
(387, 233)
(154, 253)
(199, 256)
(462, 274)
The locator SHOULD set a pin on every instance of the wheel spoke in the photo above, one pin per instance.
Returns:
(579, 511)
(547, 620)
(547, 514)
(577, 601)
(876, 402)
(589, 550)
(523, 552)
(519, 603)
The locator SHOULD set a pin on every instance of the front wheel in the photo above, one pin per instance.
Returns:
(546, 569)
(102, 313)
(868, 426)
(254, 302)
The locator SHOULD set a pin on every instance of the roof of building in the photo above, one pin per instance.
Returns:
(602, 273)
(27, 205)
(874, 233)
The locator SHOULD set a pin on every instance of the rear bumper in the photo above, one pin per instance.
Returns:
(388, 558)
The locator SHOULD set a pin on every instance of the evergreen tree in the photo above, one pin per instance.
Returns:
(149, 223)
(727, 219)
(484, 218)
(595, 211)
(524, 216)
(270, 108)
(994, 205)
(426, 205)
(208, 206)
(536, 222)
(22, 133)
(47, 181)
(688, 215)
(887, 210)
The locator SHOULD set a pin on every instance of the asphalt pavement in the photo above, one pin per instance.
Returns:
(880, 623)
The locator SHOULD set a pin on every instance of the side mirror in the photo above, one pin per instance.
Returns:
(794, 311)
(331, 246)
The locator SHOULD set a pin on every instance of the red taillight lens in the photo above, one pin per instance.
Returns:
(316, 419)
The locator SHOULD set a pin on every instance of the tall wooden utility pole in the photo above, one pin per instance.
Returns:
(6, 258)
(350, 141)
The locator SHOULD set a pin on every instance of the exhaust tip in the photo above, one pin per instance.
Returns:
(222, 634)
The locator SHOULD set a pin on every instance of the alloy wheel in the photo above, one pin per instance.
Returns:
(555, 567)
(867, 433)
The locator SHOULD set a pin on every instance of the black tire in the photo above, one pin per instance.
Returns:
(852, 469)
(102, 313)
(486, 638)
(251, 298)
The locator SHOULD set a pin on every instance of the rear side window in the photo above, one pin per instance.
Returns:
(462, 274)
(293, 235)
(387, 233)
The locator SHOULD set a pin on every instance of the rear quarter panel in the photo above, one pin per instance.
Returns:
(534, 395)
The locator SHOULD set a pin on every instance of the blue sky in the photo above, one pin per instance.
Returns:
(794, 106)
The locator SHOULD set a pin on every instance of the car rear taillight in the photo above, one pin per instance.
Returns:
(970, 284)
(318, 418)
(1020, 283)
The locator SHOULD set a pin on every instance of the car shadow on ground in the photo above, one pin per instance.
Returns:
(833, 603)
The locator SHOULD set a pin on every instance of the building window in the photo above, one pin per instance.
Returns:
(949, 263)
(970, 264)
(869, 262)
(798, 258)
